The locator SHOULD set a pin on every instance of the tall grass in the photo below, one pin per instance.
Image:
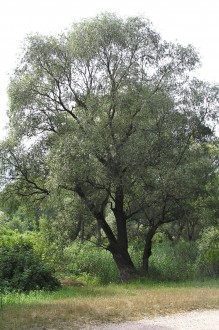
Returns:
(168, 262)
(174, 262)
(90, 264)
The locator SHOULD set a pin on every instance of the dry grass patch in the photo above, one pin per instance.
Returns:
(126, 304)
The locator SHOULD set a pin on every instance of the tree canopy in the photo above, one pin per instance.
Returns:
(108, 114)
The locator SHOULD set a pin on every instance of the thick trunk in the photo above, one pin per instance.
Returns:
(118, 246)
(119, 251)
(126, 268)
(147, 249)
(120, 218)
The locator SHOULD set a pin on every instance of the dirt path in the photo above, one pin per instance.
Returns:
(199, 320)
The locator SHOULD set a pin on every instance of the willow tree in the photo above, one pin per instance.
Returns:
(113, 117)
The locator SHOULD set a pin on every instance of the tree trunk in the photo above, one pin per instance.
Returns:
(118, 246)
(126, 268)
(119, 251)
(120, 217)
(147, 249)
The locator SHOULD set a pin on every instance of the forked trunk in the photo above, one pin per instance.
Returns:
(118, 247)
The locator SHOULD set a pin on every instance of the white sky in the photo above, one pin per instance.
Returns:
(186, 21)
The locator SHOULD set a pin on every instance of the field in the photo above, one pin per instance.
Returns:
(73, 307)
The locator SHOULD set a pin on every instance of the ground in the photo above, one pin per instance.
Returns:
(199, 320)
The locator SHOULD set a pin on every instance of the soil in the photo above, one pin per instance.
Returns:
(199, 320)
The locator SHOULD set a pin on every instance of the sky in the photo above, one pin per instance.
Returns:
(193, 22)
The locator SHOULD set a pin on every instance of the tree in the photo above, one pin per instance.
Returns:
(113, 118)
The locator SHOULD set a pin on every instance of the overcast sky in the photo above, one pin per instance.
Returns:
(193, 22)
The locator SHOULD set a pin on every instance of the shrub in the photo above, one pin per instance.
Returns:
(168, 261)
(208, 259)
(173, 262)
(21, 268)
(87, 260)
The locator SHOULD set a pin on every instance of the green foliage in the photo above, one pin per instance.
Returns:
(90, 263)
(21, 268)
(208, 260)
(184, 261)
(173, 262)
(116, 123)
(20, 219)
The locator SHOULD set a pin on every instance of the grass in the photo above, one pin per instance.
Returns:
(73, 307)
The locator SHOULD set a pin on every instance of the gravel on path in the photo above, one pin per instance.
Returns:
(199, 320)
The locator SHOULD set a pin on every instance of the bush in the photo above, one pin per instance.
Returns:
(21, 268)
(168, 262)
(208, 259)
(87, 260)
(179, 262)
(173, 262)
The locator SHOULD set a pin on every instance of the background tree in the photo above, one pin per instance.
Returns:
(113, 118)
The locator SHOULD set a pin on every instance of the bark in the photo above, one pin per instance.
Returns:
(118, 246)
(147, 249)
(126, 268)
(120, 218)
(119, 251)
